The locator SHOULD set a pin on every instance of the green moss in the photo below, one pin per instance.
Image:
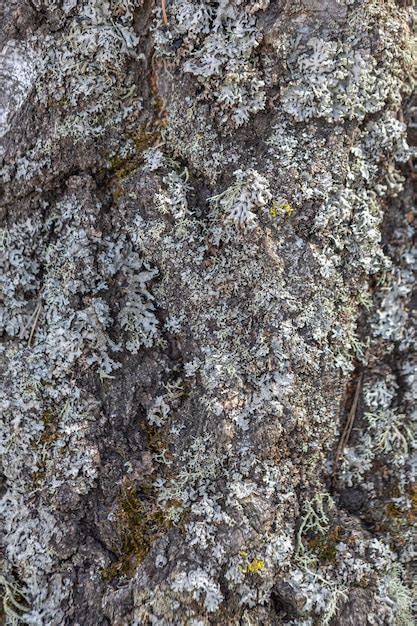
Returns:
(397, 518)
(47, 437)
(39, 476)
(144, 139)
(155, 438)
(139, 526)
(50, 432)
(121, 167)
(324, 546)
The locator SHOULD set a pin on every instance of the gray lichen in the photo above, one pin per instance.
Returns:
(208, 247)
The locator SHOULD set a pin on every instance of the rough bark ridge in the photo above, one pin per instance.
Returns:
(209, 346)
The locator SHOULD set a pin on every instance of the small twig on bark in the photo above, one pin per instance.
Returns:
(348, 426)
(164, 12)
(35, 323)
(410, 160)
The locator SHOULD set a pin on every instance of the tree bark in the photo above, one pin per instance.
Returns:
(208, 313)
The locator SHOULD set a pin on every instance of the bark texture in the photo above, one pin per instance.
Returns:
(208, 312)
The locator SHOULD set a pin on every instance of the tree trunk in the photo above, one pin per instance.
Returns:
(208, 338)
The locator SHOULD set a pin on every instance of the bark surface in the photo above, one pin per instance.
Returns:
(208, 317)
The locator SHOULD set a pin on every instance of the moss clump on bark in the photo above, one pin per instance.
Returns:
(138, 530)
